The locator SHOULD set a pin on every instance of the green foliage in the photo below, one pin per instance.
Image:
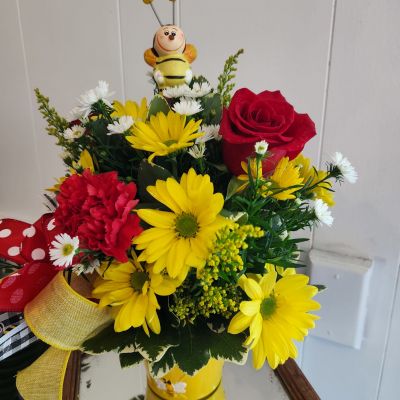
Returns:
(212, 109)
(7, 268)
(148, 174)
(158, 104)
(225, 85)
(130, 359)
(55, 123)
(197, 345)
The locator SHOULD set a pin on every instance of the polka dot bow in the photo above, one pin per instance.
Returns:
(28, 246)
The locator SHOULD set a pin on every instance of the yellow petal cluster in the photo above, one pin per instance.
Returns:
(132, 109)
(286, 175)
(181, 238)
(312, 176)
(164, 134)
(132, 290)
(277, 313)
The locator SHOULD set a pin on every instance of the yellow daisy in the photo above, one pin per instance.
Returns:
(309, 174)
(132, 289)
(276, 314)
(131, 108)
(255, 172)
(280, 270)
(285, 175)
(181, 238)
(164, 134)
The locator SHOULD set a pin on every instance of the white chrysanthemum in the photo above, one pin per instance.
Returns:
(176, 91)
(87, 269)
(63, 250)
(75, 132)
(120, 126)
(261, 147)
(199, 89)
(211, 132)
(92, 96)
(187, 107)
(322, 212)
(345, 167)
(197, 151)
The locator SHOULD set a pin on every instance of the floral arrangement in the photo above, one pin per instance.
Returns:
(176, 215)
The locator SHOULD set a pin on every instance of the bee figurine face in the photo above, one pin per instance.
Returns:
(169, 39)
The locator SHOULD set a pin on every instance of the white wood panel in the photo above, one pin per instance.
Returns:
(138, 26)
(70, 45)
(389, 387)
(362, 121)
(19, 172)
(286, 47)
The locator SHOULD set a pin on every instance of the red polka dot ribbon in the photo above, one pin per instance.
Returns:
(28, 246)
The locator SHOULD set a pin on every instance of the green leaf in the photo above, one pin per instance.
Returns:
(212, 108)
(153, 347)
(158, 104)
(129, 359)
(320, 288)
(109, 340)
(147, 176)
(193, 352)
(198, 344)
(233, 186)
(162, 366)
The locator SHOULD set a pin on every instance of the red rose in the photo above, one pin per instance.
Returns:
(266, 116)
(98, 209)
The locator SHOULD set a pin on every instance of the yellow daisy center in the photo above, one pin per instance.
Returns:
(67, 249)
(268, 307)
(138, 279)
(186, 225)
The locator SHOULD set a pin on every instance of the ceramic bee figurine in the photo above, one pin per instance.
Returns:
(170, 57)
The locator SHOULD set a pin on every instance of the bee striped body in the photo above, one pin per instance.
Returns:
(172, 70)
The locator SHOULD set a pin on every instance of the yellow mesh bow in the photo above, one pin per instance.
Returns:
(62, 318)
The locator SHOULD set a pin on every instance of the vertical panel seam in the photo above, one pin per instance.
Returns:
(323, 123)
(388, 333)
(28, 83)
(121, 54)
(326, 94)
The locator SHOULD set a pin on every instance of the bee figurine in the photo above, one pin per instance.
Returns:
(170, 57)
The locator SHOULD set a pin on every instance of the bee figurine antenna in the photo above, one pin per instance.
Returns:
(154, 10)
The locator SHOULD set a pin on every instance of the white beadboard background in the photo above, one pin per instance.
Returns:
(338, 60)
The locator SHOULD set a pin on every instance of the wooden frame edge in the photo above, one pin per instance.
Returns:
(294, 382)
(72, 378)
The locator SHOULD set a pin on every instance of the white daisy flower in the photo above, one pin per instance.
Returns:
(92, 96)
(199, 89)
(176, 91)
(63, 250)
(74, 133)
(197, 151)
(261, 147)
(345, 167)
(120, 126)
(187, 107)
(87, 269)
(322, 212)
(211, 132)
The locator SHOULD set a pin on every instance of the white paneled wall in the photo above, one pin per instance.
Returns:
(337, 60)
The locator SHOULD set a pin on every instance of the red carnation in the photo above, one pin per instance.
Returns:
(267, 116)
(98, 209)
